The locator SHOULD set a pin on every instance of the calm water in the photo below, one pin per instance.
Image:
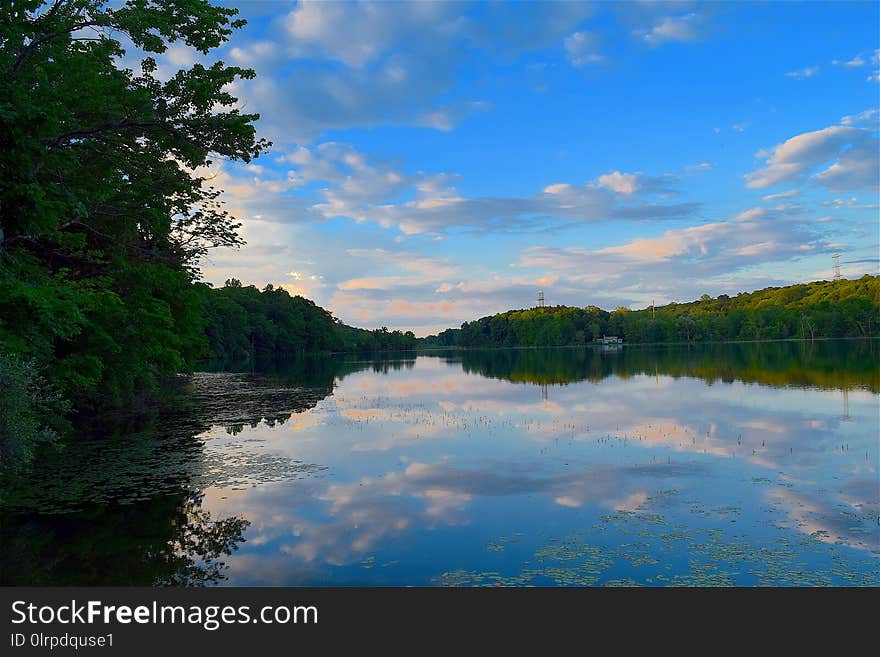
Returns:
(752, 464)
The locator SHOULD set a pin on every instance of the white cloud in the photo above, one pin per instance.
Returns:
(581, 48)
(628, 184)
(857, 167)
(868, 119)
(336, 65)
(750, 214)
(681, 259)
(361, 32)
(363, 190)
(853, 150)
(181, 56)
(875, 62)
(786, 194)
(622, 183)
(427, 268)
(855, 62)
(672, 28)
(256, 53)
(803, 73)
(852, 202)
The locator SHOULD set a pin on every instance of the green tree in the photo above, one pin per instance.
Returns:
(30, 411)
(103, 216)
(846, 308)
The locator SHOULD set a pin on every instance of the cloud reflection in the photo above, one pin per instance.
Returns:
(420, 455)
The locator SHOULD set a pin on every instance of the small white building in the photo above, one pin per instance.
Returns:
(610, 339)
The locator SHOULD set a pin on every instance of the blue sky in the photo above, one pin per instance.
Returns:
(437, 162)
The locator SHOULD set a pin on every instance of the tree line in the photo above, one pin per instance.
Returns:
(822, 309)
(247, 327)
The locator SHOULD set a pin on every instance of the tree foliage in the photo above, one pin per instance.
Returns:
(249, 328)
(103, 212)
(827, 309)
(30, 411)
(822, 364)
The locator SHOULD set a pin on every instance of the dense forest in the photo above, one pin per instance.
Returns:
(103, 214)
(247, 327)
(823, 309)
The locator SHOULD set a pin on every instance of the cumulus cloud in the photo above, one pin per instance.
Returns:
(628, 184)
(335, 65)
(858, 167)
(687, 27)
(355, 187)
(299, 103)
(852, 151)
(256, 53)
(678, 255)
(622, 183)
(360, 32)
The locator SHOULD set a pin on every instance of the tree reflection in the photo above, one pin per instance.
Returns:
(121, 502)
(194, 554)
(832, 364)
(168, 540)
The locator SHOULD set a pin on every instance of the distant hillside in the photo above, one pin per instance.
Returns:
(246, 326)
(822, 309)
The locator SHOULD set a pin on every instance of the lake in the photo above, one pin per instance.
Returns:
(744, 464)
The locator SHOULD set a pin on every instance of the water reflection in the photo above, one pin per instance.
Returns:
(122, 504)
(745, 464)
(836, 364)
(167, 540)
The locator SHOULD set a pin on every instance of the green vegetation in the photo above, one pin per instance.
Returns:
(827, 364)
(824, 309)
(103, 216)
(247, 327)
(30, 411)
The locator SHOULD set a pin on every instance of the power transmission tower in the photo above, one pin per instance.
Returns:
(540, 298)
(836, 258)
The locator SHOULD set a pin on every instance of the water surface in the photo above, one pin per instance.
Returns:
(750, 464)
